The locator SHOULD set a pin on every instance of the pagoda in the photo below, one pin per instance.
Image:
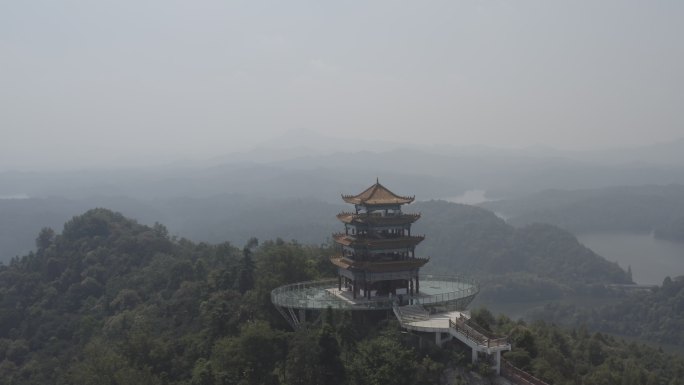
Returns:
(377, 251)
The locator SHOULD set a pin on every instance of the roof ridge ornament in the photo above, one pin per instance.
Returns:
(377, 194)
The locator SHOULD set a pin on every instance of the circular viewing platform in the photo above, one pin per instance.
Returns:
(438, 292)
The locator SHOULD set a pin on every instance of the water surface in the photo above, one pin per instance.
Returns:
(651, 259)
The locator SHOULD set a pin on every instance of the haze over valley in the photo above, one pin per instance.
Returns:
(171, 175)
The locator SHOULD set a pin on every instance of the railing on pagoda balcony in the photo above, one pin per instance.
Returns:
(380, 265)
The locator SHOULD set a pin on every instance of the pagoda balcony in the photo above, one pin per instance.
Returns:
(378, 219)
(378, 242)
(379, 266)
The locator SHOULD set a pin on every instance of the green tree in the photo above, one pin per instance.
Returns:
(302, 364)
(45, 238)
(383, 360)
(251, 357)
(245, 278)
(332, 368)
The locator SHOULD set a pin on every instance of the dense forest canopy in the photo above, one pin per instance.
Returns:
(655, 315)
(108, 300)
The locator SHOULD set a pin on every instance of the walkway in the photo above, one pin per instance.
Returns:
(450, 325)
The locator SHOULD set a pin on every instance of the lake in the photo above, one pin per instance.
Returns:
(651, 259)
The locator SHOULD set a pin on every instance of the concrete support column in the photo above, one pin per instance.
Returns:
(417, 285)
(302, 315)
(474, 356)
(497, 366)
(354, 289)
(339, 282)
(438, 339)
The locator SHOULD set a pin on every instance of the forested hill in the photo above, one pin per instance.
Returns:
(652, 315)
(227, 217)
(110, 301)
(532, 262)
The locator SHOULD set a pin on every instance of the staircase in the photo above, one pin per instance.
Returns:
(453, 325)
(477, 338)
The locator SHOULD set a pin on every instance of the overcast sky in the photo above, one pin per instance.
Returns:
(99, 82)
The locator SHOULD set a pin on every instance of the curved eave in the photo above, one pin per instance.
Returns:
(399, 200)
(384, 266)
(346, 217)
(342, 239)
(350, 218)
(373, 243)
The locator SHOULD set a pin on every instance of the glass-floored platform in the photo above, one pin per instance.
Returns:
(448, 291)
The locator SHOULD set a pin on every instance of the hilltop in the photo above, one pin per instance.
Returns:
(109, 300)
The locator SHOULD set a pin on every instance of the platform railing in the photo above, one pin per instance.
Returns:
(313, 295)
(518, 376)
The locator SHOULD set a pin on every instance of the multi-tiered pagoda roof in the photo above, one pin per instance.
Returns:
(377, 248)
(377, 194)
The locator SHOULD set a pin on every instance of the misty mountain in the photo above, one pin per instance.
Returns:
(326, 171)
(663, 153)
(626, 208)
(515, 264)
(531, 261)
(283, 198)
(293, 144)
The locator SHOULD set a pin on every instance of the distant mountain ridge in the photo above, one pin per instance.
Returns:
(460, 239)
(644, 208)
(515, 264)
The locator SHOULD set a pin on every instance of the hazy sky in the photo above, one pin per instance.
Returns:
(145, 81)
